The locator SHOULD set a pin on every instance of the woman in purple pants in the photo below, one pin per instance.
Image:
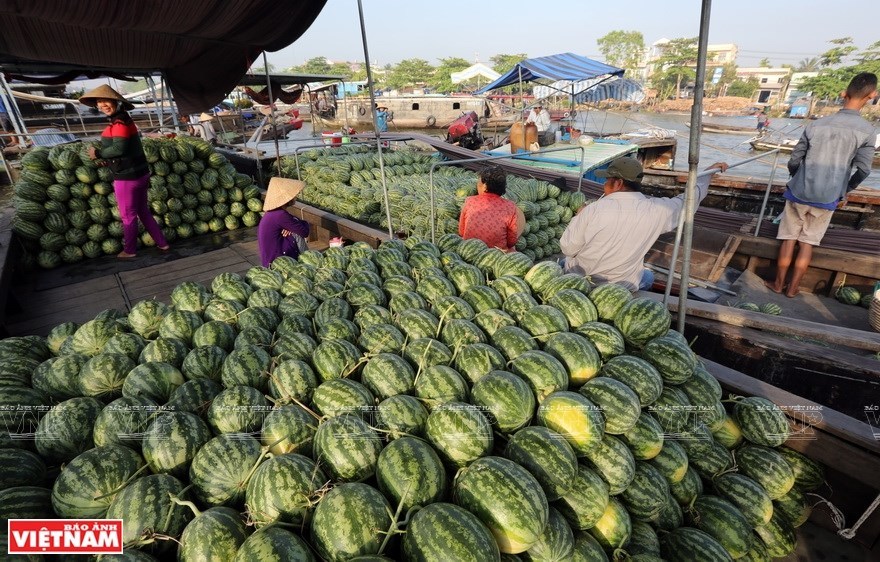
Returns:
(122, 151)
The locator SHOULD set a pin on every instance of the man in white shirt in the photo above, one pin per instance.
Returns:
(608, 239)
(541, 118)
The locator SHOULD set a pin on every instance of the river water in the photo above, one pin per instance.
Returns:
(714, 147)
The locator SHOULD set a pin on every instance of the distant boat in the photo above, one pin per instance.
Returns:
(787, 145)
(726, 129)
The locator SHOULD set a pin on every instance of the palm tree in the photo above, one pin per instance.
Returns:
(809, 65)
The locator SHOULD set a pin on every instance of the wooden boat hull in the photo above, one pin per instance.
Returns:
(726, 129)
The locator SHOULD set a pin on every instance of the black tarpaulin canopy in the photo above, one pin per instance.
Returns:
(203, 47)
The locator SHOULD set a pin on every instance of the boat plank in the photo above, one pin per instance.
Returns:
(176, 269)
(24, 293)
(823, 258)
(47, 313)
(836, 335)
(164, 287)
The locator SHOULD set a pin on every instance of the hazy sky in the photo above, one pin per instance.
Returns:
(784, 32)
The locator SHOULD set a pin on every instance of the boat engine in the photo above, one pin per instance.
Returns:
(465, 131)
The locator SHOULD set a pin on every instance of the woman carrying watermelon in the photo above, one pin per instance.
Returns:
(122, 152)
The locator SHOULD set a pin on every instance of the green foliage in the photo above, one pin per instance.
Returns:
(502, 63)
(728, 77)
(832, 81)
(442, 82)
(673, 65)
(808, 65)
(765, 63)
(835, 55)
(743, 88)
(410, 72)
(622, 48)
(262, 69)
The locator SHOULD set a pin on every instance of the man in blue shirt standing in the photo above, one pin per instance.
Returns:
(821, 168)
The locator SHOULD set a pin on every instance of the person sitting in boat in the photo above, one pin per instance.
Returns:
(205, 128)
(608, 239)
(280, 233)
(821, 168)
(541, 118)
(381, 119)
(488, 216)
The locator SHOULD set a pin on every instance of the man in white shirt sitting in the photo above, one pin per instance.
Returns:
(607, 240)
(541, 118)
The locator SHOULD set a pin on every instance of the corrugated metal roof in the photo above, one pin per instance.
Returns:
(203, 47)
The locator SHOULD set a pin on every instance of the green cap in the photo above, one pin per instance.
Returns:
(627, 168)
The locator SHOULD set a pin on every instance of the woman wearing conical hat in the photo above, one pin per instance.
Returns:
(280, 233)
(123, 153)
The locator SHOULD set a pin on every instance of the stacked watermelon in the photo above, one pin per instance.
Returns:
(346, 181)
(413, 402)
(66, 209)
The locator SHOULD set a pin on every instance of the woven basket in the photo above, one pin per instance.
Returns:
(874, 312)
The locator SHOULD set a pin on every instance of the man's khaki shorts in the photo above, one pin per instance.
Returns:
(804, 223)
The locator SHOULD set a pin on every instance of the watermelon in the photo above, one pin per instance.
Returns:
(637, 374)
(204, 362)
(491, 320)
(87, 484)
(371, 315)
(767, 467)
(614, 528)
(541, 274)
(513, 341)
(576, 306)
(848, 295)
(543, 320)
(418, 323)
(351, 520)
(194, 396)
(686, 490)
(66, 430)
(220, 470)
(410, 473)
(613, 461)
(347, 448)
(247, 365)
(124, 422)
(386, 375)
(778, 536)
(507, 499)
(381, 337)
(508, 285)
(443, 532)
(273, 543)
(507, 398)
(609, 299)
(289, 429)
(588, 549)
(794, 507)
(619, 404)
(544, 373)
(747, 495)
(808, 474)
(25, 502)
(728, 433)
(292, 380)
(459, 432)
(128, 344)
(20, 468)
(340, 396)
(673, 359)
(164, 350)
(401, 415)
(547, 456)
(575, 418)
(146, 317)
(585, 502)
(761, 421)
(172, 440)
(725, 523)
(283, 489)
(645, 438)
(103, 375)
(556, 543)
(336, 359)
(439, 384)
(239, 409)
(641, 320)
(59, 378)
(153, 380)
(577, 353)
(671, 461)
(216, 533)
(687, 544)
(607, 340)
(146, 506)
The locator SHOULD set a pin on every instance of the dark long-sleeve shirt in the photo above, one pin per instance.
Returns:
(270, 239)
(121, 147)
(822, 163)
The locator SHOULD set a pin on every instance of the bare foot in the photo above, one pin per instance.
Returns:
(773, 287)
(165, 248)
(792, 292)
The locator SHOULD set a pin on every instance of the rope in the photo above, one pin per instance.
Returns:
(839, 520)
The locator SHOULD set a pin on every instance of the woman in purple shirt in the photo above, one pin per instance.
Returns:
(280, 233)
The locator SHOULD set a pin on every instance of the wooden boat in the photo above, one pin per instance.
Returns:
(725, 129)
(764, 144)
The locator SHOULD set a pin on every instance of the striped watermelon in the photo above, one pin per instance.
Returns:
(645, 438)
(146, 317)
(340, 396)
(220, 470)
(702, 388)
(292, 381)
(294, 346)
(482, 298)
(153, 380)
(508, 285)
(728, 433)
(687, 544)
(410, 473)
(672, 461)
(614, 528)
(492, 320)
(609, 299)
(371, 315)
(747, 495)
(283, 489)
(334, 359)
(180, 324)
(289, 429)
(646, 495)
(217, 533)
(808, 474)
(686, 490)
(444, 532)
(164, 350)
(194, 396)
(673, 359)
(351, 520)
(713, 461)
(575, 418)
(124, 421)
(476, 359)
(607, 339)
(215, 332)
(542, 274)
(19, 467)
(544, 373)
(146, 506)
(440, 384)
(613, 461)
(87, 484)
(379, 338)
(103, 375)
(671, 516)
(848, 295)
(347, 448)
(246, 365)
(172, 440)
(418, 323)
(387, 374)
(275, 544)
(459, 332)
(619, 404)
(517, 304)
(641, 320)
(543, 320)
(239, 409)
(547, 456)
(25, 502)
(721, 519)
(766, 467)
(395, 284)
(586, 501)
(302, 303)
(60, 377)
(507, 499)
(588, 549)
(761, 421)
(794, 507)
(406, 300)
(401, 415)
(460, 432)
(672, 409)
(578, 355)
(555, 544)
(576, 306)
(778, 536)
(205, 362)
(66, 430)
(128, 344)
(506, 398)
(513, 341)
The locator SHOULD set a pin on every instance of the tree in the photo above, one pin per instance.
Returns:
(743, 88)
(503, 63)
(835, 55)
(317, 65)
(676, 64)
(262, 69)
(442, 82)
(728, 76)
(340, 69)
(831, 81)
(410, 72)
(765, 63)
(622, 48)
(808, 65)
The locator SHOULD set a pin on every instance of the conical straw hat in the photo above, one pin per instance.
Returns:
(205, 117)
(281, 192)
(104, 92)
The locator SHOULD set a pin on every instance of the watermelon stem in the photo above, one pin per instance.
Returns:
(394, 529)
(188, 504)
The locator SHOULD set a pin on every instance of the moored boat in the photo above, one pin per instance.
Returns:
(725, 129)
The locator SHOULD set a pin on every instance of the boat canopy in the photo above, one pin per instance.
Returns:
(564, 66)
(202, 47)
(622, 89)
(477, 69)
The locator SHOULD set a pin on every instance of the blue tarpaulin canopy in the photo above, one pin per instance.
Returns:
(564, 66)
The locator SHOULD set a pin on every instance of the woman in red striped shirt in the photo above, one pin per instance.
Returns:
(488, 216)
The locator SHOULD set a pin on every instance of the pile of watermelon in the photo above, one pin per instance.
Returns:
(850, 295)
(346, 181)
(65, 208)
(413, 402)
